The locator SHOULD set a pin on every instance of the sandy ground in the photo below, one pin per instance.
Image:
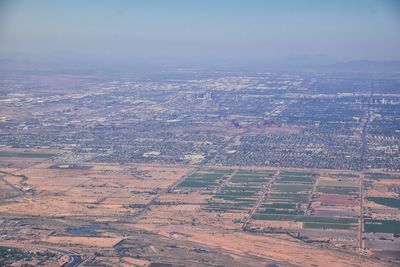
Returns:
(280, 249)
(102, 242)
(111, 193)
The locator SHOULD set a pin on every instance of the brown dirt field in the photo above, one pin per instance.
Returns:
(104, 192)
(14, 180)
(127, 261)
(380, 188)
(97, 192)
(8, 170)
(276, 224)
(279, 248)
(336, 211)
(192, 198)
(329, 199)
(102, 242)
(178, 215)
(18, 163)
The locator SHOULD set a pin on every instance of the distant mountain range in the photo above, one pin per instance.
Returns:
(300, 63)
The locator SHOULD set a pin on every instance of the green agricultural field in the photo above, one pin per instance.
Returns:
(292, 187)
(338, 190)
(233, 198)
(279, 211)
(314, 219)
(25, 155)
(289, 173)
(249, 176)
(248, 179)
(242, 188)
(381, 176)
(386, 201)
(303, 198)
(279, 205)
(239, 193)
(254, 172)
(343, 175)
(297, 179)
(274, 217)
(202, 180)
(382, 226)
(206, 176)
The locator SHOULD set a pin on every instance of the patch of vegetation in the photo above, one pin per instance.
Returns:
(302, 198)
(191, 183)
(293, 173)
(260, 172)
(202, 180)
(298, 179)
(25, 155)
(239, 193)
(241, 188)
(343, 175)
(381, 176)
(279, 205)
(382, 226)
(279, 211)
(337, 190)
(386, 201)
(292, 187)
(305, 219)
(70, 167)
(232, 198)
(9, 255)
(248, 179)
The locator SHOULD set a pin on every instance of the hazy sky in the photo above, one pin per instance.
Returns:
(186, 31)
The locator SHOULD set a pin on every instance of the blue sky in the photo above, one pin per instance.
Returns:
(203, 31)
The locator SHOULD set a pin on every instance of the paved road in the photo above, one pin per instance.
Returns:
(163, 191)
(19, 191)
(75, 261)
(364, 150)
(266, 189)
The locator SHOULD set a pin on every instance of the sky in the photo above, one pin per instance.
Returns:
(188, 32)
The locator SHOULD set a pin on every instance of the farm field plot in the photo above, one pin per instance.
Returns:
(269, 196)
(288, 198)
(337, 196)
(218, 197)
(309, 205)
(12, 159)
(382, 176)
(202, 179)
(25, 155)
(240, 191)
(382, 213)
